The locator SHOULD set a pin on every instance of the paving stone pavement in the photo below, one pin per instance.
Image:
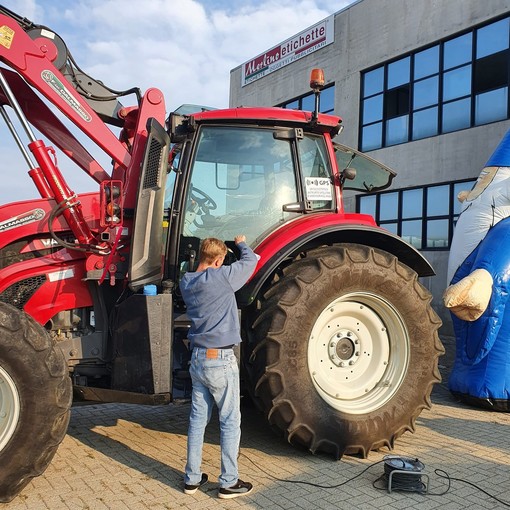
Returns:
(118, 456)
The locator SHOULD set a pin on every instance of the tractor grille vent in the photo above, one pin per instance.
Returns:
(18, 294)
(151, 177)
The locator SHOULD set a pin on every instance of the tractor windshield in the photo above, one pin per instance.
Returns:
(242, 177)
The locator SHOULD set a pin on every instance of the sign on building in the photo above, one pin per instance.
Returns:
(312, 39)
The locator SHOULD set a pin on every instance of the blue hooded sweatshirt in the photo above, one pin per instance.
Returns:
(211, 304)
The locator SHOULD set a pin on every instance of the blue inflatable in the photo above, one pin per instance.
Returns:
(481, 372)
(480, 286)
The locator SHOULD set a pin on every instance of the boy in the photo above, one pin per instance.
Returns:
(212, 309)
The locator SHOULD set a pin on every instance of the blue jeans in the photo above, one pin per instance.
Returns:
(215, 381)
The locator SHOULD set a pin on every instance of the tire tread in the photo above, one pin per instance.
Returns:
(269, 322)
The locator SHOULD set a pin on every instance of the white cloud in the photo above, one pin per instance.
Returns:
(26, 8)
(186, 48)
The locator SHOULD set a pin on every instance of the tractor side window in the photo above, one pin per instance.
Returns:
(366, 174)
(174, 158)
(316, 172)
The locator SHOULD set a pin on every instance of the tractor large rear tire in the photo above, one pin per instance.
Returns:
(343, 350)
(35, 400)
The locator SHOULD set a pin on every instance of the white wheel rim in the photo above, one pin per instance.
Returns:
(9, 408)
(358, 353)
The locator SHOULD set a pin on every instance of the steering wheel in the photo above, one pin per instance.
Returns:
(203, 199)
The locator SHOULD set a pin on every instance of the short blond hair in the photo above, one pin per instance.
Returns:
(210, 249)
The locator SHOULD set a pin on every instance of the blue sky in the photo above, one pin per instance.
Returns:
(186, 48)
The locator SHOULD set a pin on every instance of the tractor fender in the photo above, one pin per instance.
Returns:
(273, 252)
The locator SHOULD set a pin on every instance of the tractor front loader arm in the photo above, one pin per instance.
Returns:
(34, 60)
(40, 62)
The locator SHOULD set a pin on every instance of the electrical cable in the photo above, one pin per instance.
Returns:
(443, 474)
(57, 211)
(116, 93)
(303, 482)
(401, 480)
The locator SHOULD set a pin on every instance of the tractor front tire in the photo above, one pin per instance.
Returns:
(343, 350)
(35, 400)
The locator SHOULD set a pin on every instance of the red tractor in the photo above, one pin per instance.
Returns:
(340, 342)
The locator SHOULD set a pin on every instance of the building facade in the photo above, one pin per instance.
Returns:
(420, 86)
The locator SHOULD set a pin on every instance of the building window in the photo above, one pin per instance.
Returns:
(307, 102)
(458, 83)
(424, 216)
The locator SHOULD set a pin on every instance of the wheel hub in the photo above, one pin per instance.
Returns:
(9, 408)
(343, 348)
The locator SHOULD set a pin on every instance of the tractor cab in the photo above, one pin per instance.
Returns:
(248, 178)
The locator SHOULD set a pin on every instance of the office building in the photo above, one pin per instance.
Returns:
(421, 86)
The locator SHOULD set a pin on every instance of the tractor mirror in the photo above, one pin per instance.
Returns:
(177, 127)
(349, 174)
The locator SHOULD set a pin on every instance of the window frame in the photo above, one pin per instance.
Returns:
(401, 217)
(309, 95)
(373, 130)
